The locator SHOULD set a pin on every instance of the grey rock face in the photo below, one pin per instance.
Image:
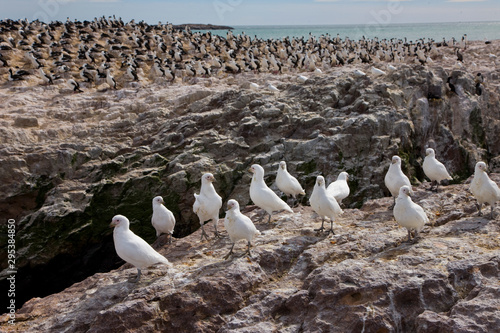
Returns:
(91, 156)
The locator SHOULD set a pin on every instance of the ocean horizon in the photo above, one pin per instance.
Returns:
(411, 31)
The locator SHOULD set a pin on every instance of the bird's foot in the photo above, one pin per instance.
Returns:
(330, 230)
(204, 234)
(319, 229)
(244, 254)
(218, 234)
(135, 279)
(227, 255)
(479, 211)
(415, 240)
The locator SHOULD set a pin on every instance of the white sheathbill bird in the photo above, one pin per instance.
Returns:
(238, 226)
(207, 204)
(132, 248)
(262, 195)
(163, 219)
(483, 188)
(433, 169)
(287, 183)
(407, 213)
(395, 178)
(339, 189)
(323, 204)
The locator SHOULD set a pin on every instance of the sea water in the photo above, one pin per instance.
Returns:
(411, 31)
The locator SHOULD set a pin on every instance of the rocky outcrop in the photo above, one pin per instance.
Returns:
(70, 162)
(365, 278)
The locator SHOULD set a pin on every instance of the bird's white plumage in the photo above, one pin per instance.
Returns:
(433, 169)
(272, 88)
(163, 219)
(262, 195)
(132, 248)
(483, 188)
(407, 213)
(323, 204)
(302, 78)
(377, 72)
(359, 73)
(208, 203)
(254, 86)
(239, 226)
(339, 189)
(391, 68)
(287, 183)
(395, 178)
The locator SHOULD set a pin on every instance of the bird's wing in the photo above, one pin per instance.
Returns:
(334, 188)
(295, 183)
(437, 170)
(268, 198)
(441, 170)
(163, 219)
(420, 211)
(289, 184)
(493, 190)
(275, 200)
(198, 202)
(243, 227)
(137, 251)
(334, 206)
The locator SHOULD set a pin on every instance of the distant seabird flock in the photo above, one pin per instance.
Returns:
(111, 52)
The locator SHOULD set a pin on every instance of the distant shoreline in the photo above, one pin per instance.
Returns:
(197, 26)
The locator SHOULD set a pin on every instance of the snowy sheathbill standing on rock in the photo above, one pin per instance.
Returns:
(238, 226)
(132, 248)
(324, 204)
(287, 183)
(407, 213)
(207, 204)
(395, 178)
(483, 188)
(262, 195)
(433, 169)
(163, 220)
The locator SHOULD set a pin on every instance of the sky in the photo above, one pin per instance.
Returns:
(258, 12)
